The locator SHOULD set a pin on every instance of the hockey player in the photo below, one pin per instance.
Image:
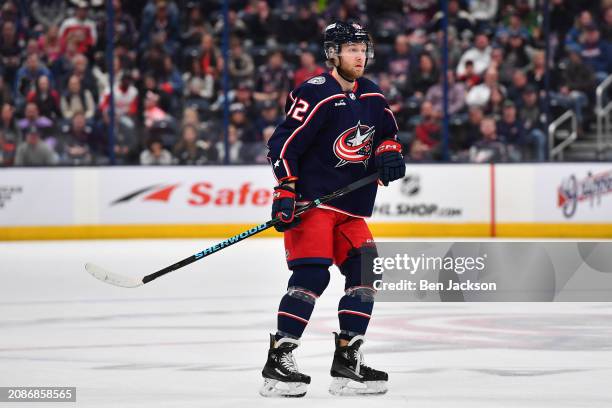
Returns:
(338, 129)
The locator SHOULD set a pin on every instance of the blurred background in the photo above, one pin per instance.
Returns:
(193, 83)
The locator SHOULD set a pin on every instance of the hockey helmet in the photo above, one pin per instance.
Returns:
(339, 33)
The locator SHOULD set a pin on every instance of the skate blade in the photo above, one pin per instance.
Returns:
(347, 387)
(274, 389)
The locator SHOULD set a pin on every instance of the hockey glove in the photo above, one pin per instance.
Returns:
(389, 161)
(283, 206)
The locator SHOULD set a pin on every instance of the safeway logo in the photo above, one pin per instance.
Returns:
(591, 188)
(199, 194)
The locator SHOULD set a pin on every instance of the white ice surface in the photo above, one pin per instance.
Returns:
(198, 337)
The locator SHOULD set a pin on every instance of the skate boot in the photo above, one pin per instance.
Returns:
(281, 375)
(350, 375)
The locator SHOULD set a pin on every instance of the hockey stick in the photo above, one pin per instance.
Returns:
(127, 282)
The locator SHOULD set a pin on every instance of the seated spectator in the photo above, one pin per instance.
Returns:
(596, 53)
(81, 69)
(479, 54)
(532, 118)
(578, 81)
(160, 18)
(424, 77)
(125, 146)
(7, 151)
(34, 119)
(269, 117)
(262, 24)
(33, 151)
(401, 62)
(50, 45)
(171, 83)
(155, 154)
(199, 87)
(242, 124)
(152, 112)
(509, 128)
(427, 135)
(79, 28)
(236, 146)
(273, 79)
(461, 20)
(515, 53)
(584, 20)
(518, 85)
(191, 151)
(237, 26)
(470, 132)
(308, 69)
(10, 51)
(488, 149)
(456, 95)
(46, 98)
(75, 99)
(210, 56)
(304, 26)
(469, 77)
(195, 26)
(483, 94)
(240, 64)
(27, 76)
(78, 142)
(8, 125)
(606, 29)
(126, 99)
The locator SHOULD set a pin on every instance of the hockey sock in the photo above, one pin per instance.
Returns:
(355, 307)
(306, 284)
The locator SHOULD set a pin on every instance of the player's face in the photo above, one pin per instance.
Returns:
(353, 59)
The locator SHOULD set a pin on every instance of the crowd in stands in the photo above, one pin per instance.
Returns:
(168, 83)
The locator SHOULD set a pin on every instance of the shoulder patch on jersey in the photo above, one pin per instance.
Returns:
(318, 80)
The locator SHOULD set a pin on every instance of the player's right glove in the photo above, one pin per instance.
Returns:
(389, 161)
(283, 205)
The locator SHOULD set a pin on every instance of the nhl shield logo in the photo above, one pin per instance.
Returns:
(354, 145)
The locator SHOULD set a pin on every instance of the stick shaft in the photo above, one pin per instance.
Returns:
(259, 228)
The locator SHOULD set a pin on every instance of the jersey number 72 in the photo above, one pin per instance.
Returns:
(297, 109)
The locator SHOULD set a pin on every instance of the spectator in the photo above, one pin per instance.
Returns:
(210, 57)
(5, 92)
(584, 20)
(515, 54)
(50, 45)
(578, 81)
(160, 25)
(46, 98)
(33, 118)
(125, 140)
(456, 95)
(195, 27)
(470, 132)
(518, 85)
(79, 28)
(480, 55)
(305, 26)
(240, 64)
(401, 62)
(424, 77)
(235, 146)
(483, 11)
(488, 149)
(262, 25)
(273, 79)
(469, 77)
(152, 112)
(242, 124)
(238, 28)
(192, 151)
(155, 154)
(462, 21)
(33, 151)
(78, 142)
(125, 34)
(126, 99)
(606, 29)
(80, 68)
(308, 69)
(75, 99)
(10, 51)
(596, 53)
(483, 94)
(199, 87)
(530, 115)
(427, 141)
(269, 117)
(509, 128)
(28, 74)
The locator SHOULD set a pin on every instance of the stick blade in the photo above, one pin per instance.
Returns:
(112, 278)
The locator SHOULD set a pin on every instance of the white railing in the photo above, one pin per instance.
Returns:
(604, 125)
(568, 137)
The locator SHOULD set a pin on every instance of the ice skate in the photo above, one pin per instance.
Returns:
(350, 375)
(281, 375)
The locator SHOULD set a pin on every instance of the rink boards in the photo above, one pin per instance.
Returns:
(471, 200)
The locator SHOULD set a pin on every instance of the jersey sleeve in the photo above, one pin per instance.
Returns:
(389, 124)
(305, 115)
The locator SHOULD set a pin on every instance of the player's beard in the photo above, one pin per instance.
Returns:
(351, 73)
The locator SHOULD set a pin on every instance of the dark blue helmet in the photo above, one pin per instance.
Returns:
(340, 33)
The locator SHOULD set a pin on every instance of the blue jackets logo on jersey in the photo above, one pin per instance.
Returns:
(354, 145)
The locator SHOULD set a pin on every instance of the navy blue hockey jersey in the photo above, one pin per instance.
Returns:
(328, 139)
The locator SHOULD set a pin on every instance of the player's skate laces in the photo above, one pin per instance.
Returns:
(282, 377)
(350, 374)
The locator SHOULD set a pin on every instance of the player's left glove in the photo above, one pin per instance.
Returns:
(389, 161)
